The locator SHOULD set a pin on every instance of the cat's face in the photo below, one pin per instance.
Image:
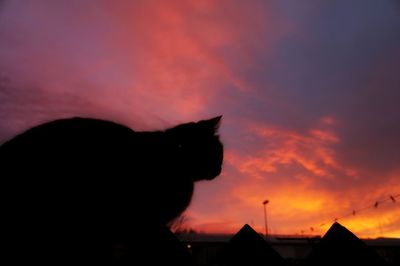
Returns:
(197, 148)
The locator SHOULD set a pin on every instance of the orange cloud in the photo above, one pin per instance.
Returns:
(312, 151)
(299, 203)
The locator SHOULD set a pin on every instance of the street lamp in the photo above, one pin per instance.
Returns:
(265, 202)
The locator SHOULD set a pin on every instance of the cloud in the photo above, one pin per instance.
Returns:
(306, 181)
(161, 59)
(283, 147)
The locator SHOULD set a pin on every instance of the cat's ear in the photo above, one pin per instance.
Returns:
(211, 124)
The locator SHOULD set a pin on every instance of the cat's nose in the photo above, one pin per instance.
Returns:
(213, 174)
(217, 172)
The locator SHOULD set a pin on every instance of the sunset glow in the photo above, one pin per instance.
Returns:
(309, 95)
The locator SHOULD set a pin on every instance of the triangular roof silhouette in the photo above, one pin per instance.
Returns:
(247, 247)
(339, 246)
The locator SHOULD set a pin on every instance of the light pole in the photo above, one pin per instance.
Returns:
(265, 202)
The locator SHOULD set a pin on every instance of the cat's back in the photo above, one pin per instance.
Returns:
(67, 132)
(68, 140)
(68, 166)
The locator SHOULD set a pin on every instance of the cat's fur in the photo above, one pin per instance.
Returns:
(82, 176)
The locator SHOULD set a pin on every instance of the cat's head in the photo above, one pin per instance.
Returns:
(197, 148)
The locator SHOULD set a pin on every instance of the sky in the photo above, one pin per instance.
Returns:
(308, 90)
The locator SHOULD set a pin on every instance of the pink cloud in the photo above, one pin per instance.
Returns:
(313, 151)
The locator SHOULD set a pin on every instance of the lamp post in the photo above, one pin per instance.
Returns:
(265, 202)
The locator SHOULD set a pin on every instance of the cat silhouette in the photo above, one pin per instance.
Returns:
(81, 183)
